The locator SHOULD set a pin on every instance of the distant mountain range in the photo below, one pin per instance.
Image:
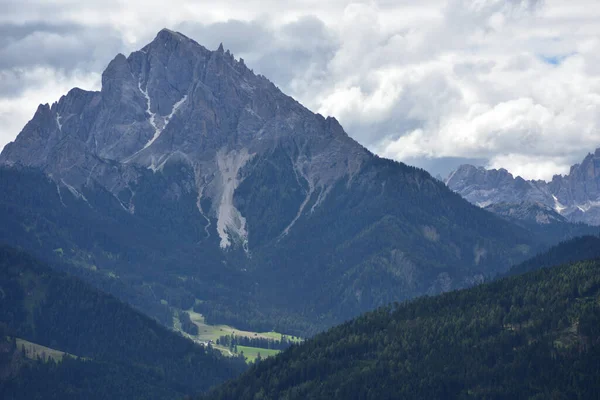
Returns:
(575, 196)
(189, 181)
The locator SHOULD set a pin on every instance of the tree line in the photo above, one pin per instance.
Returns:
(232, 341)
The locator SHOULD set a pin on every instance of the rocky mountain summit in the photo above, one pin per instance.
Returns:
(575, 196)
(174, 100)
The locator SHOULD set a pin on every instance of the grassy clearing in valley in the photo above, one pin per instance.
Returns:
(208, 332)
(213, 332)
(277, 336)
(251, 353)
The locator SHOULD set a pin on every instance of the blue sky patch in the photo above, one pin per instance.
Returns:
(555, 59)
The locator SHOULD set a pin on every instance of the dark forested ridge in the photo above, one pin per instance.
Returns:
(576, 249)
(124, 354)
(134, 257)
(141, 258)
(534, 336)
(390, 233)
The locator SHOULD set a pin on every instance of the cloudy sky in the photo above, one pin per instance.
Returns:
(434, 83)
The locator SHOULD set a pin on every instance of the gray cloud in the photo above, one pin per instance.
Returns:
(66, 46)
(241, 37)
(11, 31)
(293, 55)
(440, 167)
(33, 52)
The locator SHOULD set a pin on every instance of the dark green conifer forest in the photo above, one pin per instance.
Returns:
(117, 351)
(533, 336)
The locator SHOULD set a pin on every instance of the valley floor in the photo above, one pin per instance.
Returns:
(209, 334)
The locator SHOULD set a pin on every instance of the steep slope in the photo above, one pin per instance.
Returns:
(125, 354)
(575, 196)
(175, 101)
(148, 265)
(396, 233)
(140, 259)
(534, 336)
(205, 184)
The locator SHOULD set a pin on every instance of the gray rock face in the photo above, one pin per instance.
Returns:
(575, 196)
(175, 100)
(527, 211)
(484, 187)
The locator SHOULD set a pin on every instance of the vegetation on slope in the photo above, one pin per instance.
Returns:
(534, 336)
(389, 233)
(576, 249)
(122, 351)
(139, 258)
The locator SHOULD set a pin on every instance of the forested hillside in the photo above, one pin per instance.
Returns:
(123, 353)
(576, 249)
(154, 264)
(534, 336)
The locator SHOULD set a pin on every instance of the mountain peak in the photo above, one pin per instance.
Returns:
(167, 34)
(176, 100)
(118, 66)
(168, 41)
